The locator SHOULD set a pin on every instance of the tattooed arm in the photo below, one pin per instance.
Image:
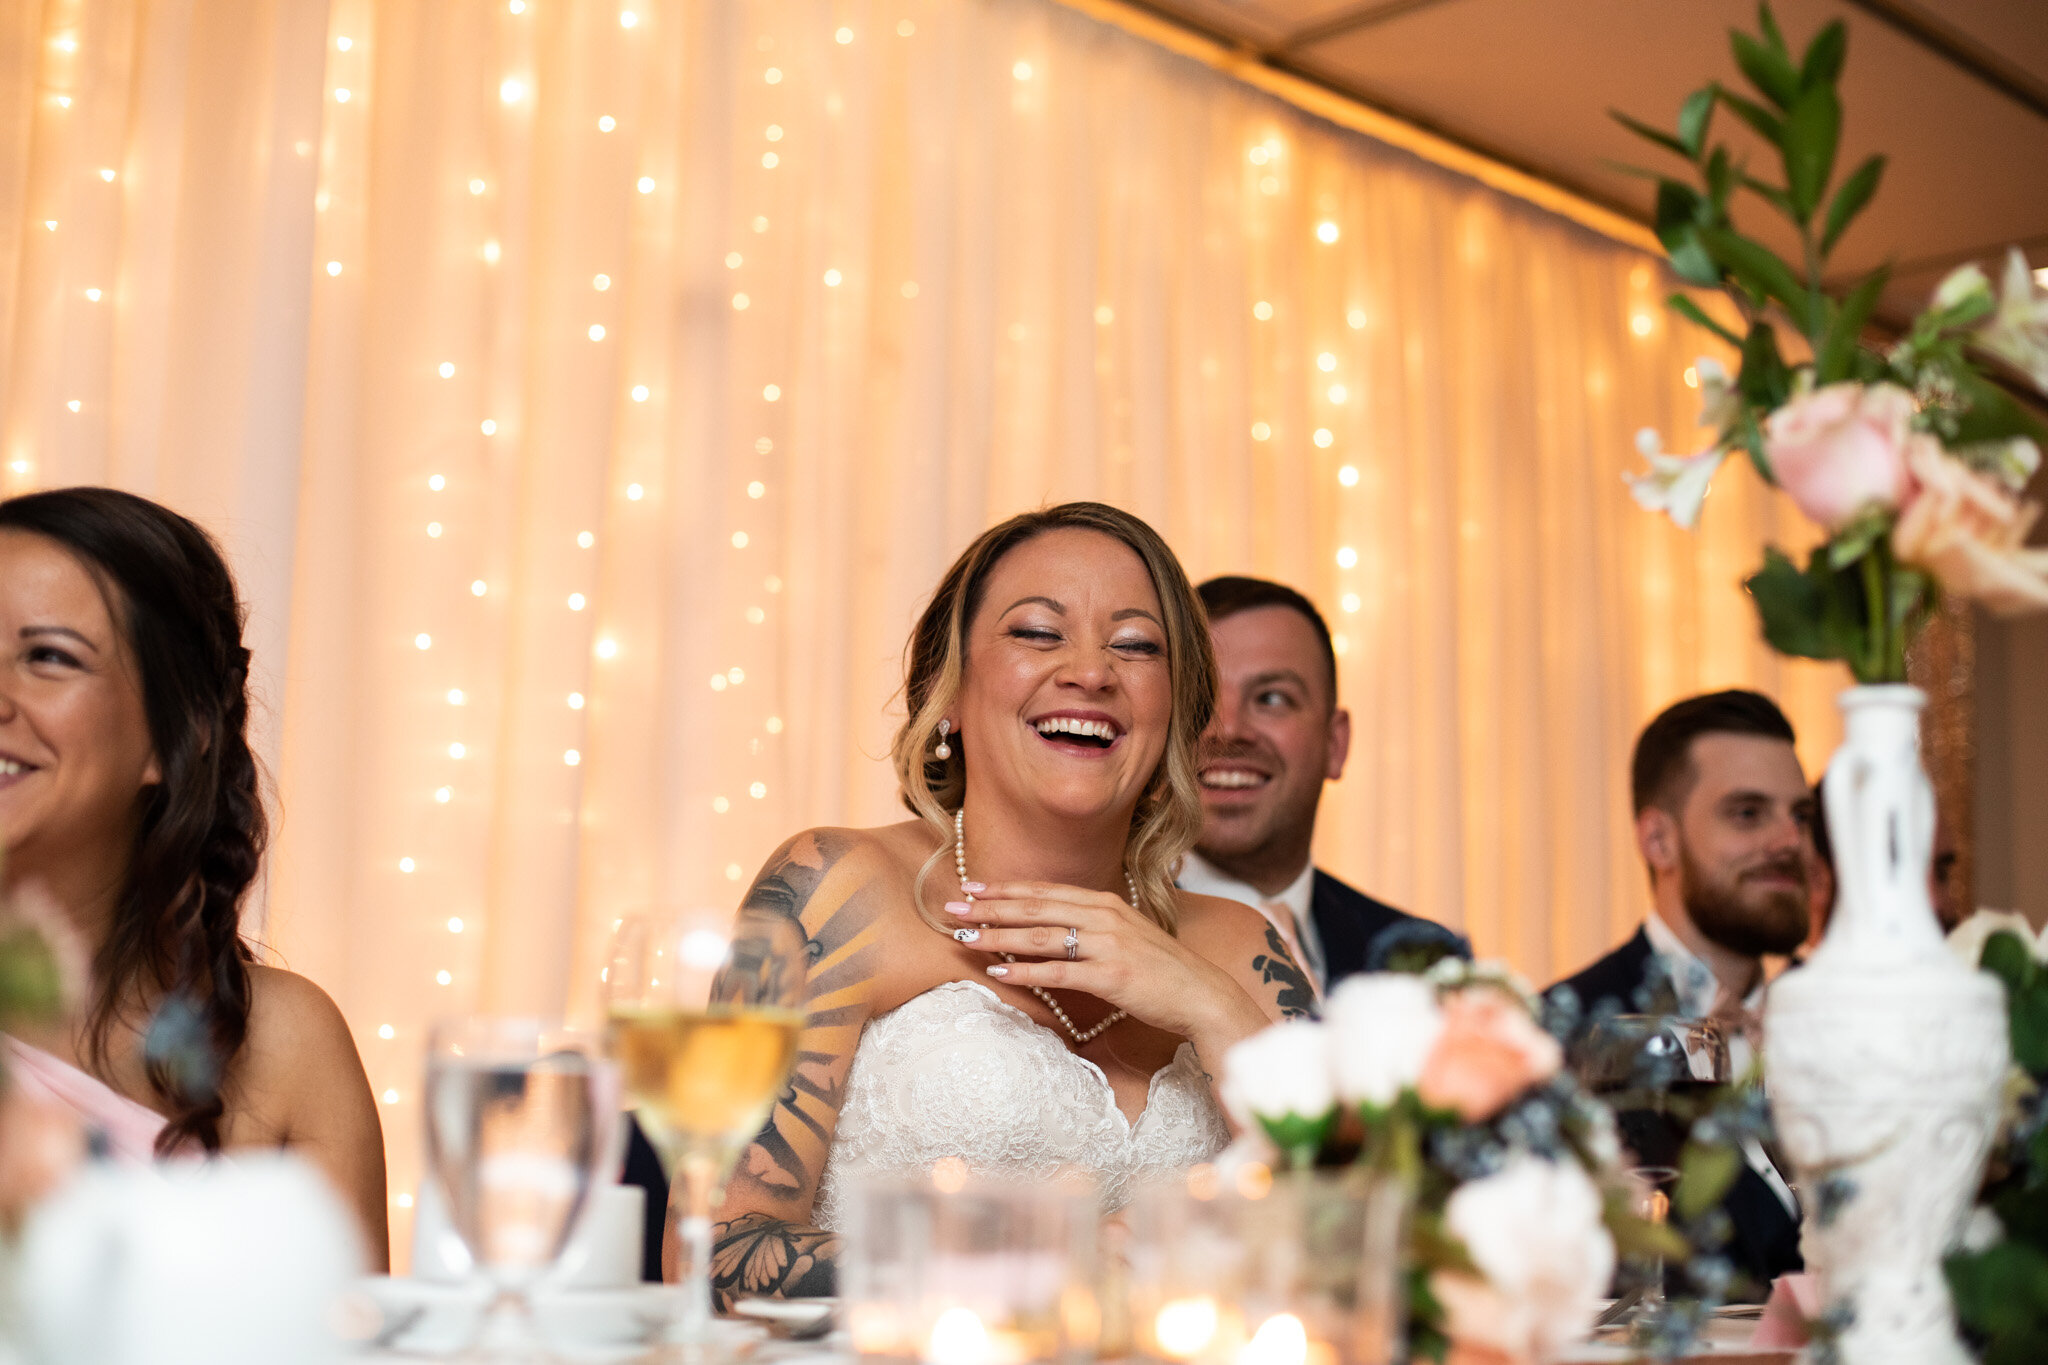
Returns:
(764, 1245)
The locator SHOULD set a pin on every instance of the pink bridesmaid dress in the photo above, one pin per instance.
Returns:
(130, 1129)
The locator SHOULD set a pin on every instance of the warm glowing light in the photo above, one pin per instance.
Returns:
(575, 701)
(456, 698)
(1327, 231)
(904, 28)
(1641, 324)
(1349, 601)
(760, 224)
(444, 976)
(390, 1096)
(492, 251)
(645, 184)
(755, 616)
(703, 949)
(718, 682)
(773, 725)
(585, 540)
(444, 795)
(735, 675)
(832, 278)
(1348, 475)
(635, 492)
(341, 94)
(772, 583)
(63, 101)
(344, 43)
(74, 404)
(107, 174)
(958, 1338)
(763, 445)
(403, 1201)
(576, 602)
(1338, 393)
(423, 641)
(478, 588)
(628, 19)
(601, 283)
(477, 187)
(733, 872)
(1185, 1327)
(1323, 438)
(1326, 362)
(1263, 311)
(1257, 156)
(512, 90)
(93, 294)
(334, 267)
(455, 924)
(773, 132)
(488, 427)
(639, 393)
(433, 530)
(571, 758)
(1356, 317)
(597, 331)
(1022, 71)
(769, 161)
(756, 489)
(386, 1032)
(739, 540)
(406, 864)
(733, 260)
(740, 302)
(1261, 431)
(772, 75)
(50, 223)
(607, 649)
(843, 36)
(1104, 315)
(457, 750)
(1346, 557)
(436, 482)
(758, 790)
(1692, 377)
(1280, 1340)
(606, 123)
(516, 6)
(771, 392)
(910, 289)
(447, 369)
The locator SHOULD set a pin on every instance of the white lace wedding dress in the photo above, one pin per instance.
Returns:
(958, 1072)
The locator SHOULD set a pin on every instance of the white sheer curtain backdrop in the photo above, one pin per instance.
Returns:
(590, 392)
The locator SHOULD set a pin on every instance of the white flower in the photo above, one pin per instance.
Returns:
(1382, 1026)
(1676, 484)
(2018, 332)
(1719, 402)
(1961, 285)
(1983, 1230)
(1534, 1231)
(1278, 1071)
(1967, 939)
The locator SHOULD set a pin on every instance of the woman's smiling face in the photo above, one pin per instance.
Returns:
(75, 749)
(1068, 693)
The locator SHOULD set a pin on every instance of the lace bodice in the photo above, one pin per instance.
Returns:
(956, 1071)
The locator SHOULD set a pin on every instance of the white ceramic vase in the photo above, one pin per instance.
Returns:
(1885, 1057)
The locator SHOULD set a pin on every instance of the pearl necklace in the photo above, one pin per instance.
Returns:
(960, 865)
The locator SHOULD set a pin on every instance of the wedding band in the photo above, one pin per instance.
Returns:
(1073, 944)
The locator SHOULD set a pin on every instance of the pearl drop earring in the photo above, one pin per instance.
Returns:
(945, 750)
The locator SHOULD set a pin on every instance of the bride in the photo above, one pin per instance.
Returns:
(1012, 977)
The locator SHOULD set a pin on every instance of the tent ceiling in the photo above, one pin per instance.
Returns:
(1957, 99)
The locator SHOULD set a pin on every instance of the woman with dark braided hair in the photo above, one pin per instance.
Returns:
(130, 801)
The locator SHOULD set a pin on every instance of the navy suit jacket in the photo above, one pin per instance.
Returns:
(1766, 1237)
(1353, 926)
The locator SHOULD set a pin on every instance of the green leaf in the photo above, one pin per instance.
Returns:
(1301, 1138)
(1913, 599)
(1849, 200)
(1693, 117)
(1824, 56)
(1769, 68)
(1757, 266)
(1705, 1173)
(1764, 380)
(1692, 312)
(1790, 607)
(1839, 347)
(2006, 958)
(1813, 130)
(1767, 23)
(1721, 175)
(2028, 1011)
(1656, 135)
(1767, 124)
(1776, 196)
(1991, 413)
(2001, 1290)
(1677, 206)
(1690, 261)
(1853, 541)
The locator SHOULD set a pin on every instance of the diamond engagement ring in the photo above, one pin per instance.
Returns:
(1073, 944)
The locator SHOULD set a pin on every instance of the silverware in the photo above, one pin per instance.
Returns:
(1619, 1309)
(395, 1326)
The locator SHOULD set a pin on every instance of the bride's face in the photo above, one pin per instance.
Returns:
(1068, 692)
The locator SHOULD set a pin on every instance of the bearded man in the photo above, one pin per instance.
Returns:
(1723, 820)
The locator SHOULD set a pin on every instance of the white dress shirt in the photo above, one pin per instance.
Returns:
(1200, 876)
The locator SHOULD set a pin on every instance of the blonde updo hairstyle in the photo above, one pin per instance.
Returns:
(1168, 818)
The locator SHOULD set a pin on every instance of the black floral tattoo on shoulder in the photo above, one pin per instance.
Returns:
(757, 1256)
(1297, 999)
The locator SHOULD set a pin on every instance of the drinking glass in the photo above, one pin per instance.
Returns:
(518, 1113)
(704, 1029)
(1654, 1186)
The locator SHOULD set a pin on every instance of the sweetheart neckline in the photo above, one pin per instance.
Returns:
(1151, 1086)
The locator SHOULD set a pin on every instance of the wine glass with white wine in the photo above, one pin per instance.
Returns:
(702, 1062)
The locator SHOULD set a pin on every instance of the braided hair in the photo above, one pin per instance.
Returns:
(176, 933)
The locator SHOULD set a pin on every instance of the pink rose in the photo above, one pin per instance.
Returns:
(1489, 1052)
(1841, 449)
(1969, 532)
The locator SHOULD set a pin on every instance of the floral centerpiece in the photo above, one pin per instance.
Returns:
(1448, 1082)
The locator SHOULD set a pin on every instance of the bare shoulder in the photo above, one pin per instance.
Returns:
(291, 1020)
(1219, 928)
(1244, 943)
(819, 872)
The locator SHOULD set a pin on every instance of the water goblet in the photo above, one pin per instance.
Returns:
(518, 1114)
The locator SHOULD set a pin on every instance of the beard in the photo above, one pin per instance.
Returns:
(1745, 919)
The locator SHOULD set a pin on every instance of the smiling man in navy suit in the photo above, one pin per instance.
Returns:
(1278, 735)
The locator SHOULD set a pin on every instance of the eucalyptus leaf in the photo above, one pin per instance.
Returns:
(1677, 208)
(1991, 414)
(1849, 200)
(1767, 125)
(1824, 56)
(1692, 312)
(1656, 135)
(1767, 191)
(1757, 266)
(1693, 117)
(1706, 1171)
(1813, 130)
(1768, 67)
(1691, 262)
(1838, 349)
(1764, 380)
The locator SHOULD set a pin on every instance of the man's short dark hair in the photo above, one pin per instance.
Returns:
(1230, 594)
(1662, 770)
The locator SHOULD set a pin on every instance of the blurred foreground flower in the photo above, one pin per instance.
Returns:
(1841, 450)
(1676, 484)
(1969, 532)
(1534, 1230)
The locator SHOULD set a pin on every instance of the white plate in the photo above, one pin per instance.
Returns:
(441, 1317)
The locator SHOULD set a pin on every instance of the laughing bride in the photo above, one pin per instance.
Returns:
(1012, 977)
